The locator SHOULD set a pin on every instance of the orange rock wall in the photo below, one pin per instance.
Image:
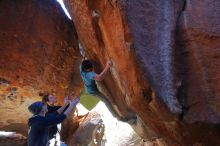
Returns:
(38, 45)
(162, 70)
(38, 52)
(165, 58)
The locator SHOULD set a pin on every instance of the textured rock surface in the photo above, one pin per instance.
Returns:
(12, 138)
(38, 52)
(90, 131)
(165, 58)
(200, 51)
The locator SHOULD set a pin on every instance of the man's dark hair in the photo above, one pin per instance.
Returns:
(86, 64)
(36, 107)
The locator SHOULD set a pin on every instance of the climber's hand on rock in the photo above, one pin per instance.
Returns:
(109, 63)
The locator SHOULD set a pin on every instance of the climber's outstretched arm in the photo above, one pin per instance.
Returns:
(101, 76)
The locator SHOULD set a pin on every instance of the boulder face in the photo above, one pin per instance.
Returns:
(199, 49)
(38, 52)
(165, 58)
(90, 131)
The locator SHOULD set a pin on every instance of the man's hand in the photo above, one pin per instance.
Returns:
(72, 96)
(66, 100)
(74, 102)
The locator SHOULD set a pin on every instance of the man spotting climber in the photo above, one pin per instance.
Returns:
(89, 77)
(51, 100)
(54, 131)
(39, 124)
